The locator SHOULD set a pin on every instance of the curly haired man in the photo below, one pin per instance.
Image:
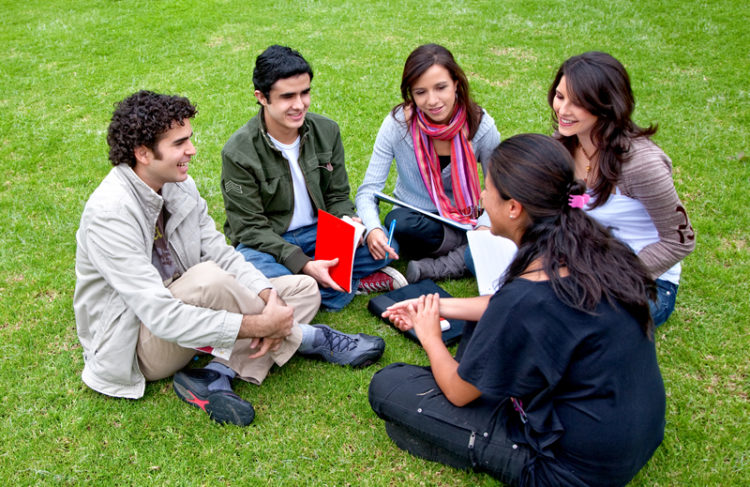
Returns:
(156, 280)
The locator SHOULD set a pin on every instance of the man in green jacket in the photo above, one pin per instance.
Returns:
(278, 170)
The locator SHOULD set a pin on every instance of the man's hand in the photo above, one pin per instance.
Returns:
(266, 293)
(320, 271)
(264, 345)
(377, 242)
(274, 322)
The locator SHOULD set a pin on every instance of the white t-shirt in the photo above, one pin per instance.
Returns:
(629, 221)
(303, 210)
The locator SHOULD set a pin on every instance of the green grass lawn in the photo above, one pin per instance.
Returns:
(63, 66)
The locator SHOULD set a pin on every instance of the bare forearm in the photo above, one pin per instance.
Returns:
(275, 321)
(253, 326)
(445, 370)
(470, 309)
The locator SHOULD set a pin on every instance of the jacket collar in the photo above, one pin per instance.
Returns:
(303, 131)
(172, 196)
(147, 198)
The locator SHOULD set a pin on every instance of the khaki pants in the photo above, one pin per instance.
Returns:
(208, 286)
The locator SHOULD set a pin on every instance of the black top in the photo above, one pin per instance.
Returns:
(590, 385)
(444, 161)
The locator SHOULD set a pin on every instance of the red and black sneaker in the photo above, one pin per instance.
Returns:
(191, 385)
(386, 279)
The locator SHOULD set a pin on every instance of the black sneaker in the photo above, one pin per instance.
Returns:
(191, 385)
(341, 348)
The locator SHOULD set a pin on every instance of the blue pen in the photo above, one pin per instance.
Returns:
(390, 235)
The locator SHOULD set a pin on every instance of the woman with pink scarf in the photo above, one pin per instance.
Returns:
(437, 135)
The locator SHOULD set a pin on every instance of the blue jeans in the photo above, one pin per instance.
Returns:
(304, 238)
(666, 295)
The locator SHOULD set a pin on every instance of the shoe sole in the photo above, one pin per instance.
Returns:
(399, 280)
(365, 359)
(369, 358)
(220, 407)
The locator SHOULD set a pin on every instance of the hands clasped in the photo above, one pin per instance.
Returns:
(422, 314)
(270, 328)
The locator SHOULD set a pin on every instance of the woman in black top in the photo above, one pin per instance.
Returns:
(558, 383)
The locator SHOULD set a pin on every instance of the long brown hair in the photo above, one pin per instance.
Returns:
(537, 171)
(600, 84)
(423, 58)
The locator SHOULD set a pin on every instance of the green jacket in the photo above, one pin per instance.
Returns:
(256, 183)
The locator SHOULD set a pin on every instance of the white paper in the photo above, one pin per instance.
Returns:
(492, 255)
(442, 219)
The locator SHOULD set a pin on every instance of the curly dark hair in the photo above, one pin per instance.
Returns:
(141, 119)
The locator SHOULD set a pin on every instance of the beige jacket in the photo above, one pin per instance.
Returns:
(117, 287)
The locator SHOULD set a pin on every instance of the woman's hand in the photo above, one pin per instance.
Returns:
(422, 314)
(397, 314)
(377, 242)
(425, 318)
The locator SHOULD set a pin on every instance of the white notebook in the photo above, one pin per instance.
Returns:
(492, 255)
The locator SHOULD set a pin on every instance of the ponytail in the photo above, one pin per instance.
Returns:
(537, 171)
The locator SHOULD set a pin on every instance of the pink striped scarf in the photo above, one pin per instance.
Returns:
(464, 177)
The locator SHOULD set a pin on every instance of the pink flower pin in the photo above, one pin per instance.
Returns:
(578, 200)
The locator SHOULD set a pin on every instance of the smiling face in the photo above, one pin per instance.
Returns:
(168, 162)
(572, 119)
(286, 106)
(434, 93)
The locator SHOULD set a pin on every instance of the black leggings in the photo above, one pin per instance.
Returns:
(422, 421)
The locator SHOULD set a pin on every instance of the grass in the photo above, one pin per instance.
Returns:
(65, 64)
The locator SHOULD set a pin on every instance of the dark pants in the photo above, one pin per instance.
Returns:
(418, 236)
(422, 421)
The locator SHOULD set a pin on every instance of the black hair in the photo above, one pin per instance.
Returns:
(537, 171)
(141, 119)
(600, 84)
(275, 63)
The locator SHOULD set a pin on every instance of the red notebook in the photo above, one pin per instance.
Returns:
(338, 237)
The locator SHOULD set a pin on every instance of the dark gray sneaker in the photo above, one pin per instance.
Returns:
(191, 385)
(344, 349)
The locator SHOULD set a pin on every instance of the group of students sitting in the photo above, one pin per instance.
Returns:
(555, 381)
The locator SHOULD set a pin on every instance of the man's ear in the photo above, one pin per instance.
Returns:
(260, 97)
(141, 154)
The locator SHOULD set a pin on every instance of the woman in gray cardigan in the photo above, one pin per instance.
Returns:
(437, 136)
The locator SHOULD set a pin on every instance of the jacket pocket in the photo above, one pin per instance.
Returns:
(324, 169)
(276, 194)
(113, 348)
